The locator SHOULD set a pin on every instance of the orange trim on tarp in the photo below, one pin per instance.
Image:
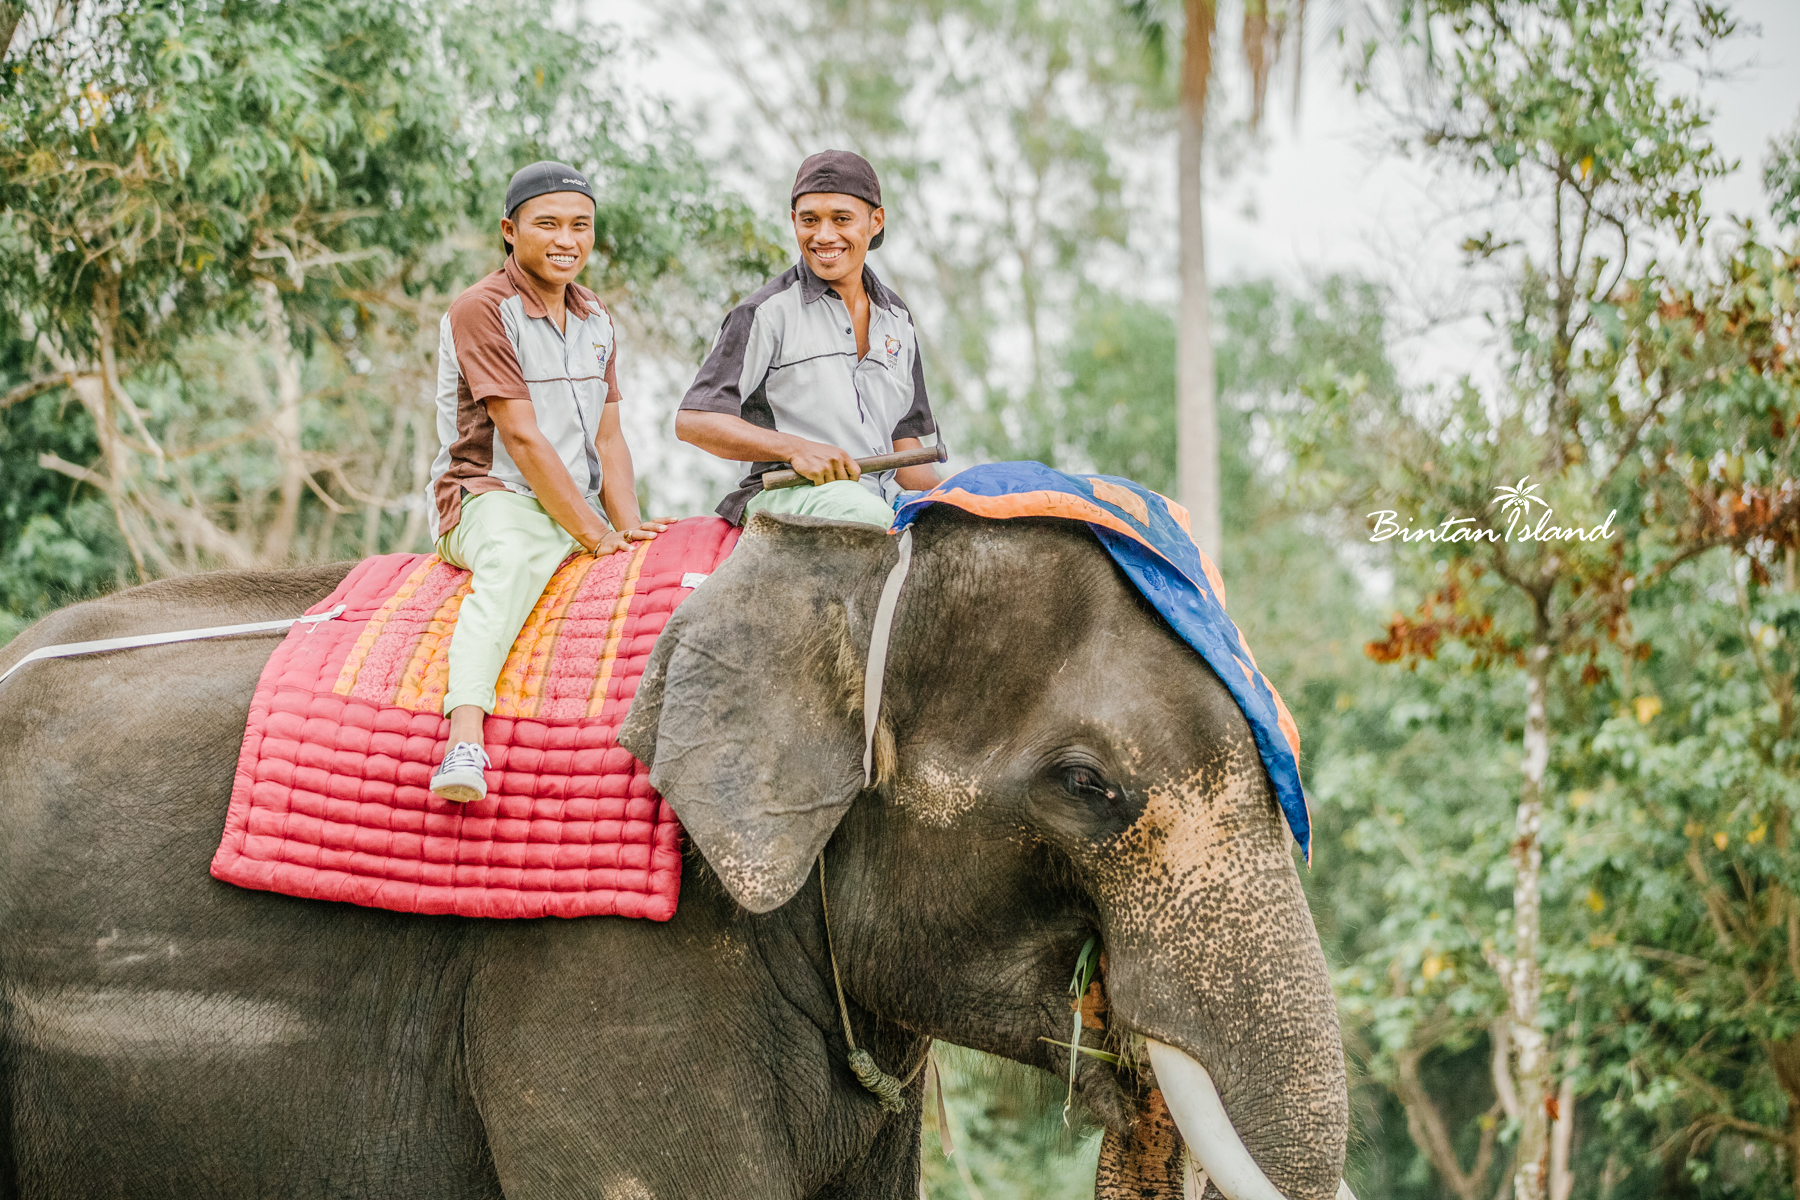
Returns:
(1073, 508)
(1119, 497)
(609, 653)
(519, 690)
(372, 631)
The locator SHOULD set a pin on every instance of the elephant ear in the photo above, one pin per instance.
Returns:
(749, 711)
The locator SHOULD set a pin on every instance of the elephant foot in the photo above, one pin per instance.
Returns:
(1144, 1164)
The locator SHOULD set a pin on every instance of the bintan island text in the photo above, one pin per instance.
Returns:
(1517, 504)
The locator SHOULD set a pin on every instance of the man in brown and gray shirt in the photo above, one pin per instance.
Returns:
(528, 424)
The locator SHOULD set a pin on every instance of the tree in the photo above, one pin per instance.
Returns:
(232, 225)
(1781, 176)
(1561, 108)
(168, 170)
(1684, 834)
(1267, 29)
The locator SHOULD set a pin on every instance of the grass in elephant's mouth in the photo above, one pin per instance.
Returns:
(1102, 1055)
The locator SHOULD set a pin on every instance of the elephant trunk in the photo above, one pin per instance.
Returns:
(1149, 1162)
(1214, 959)
(1218, 1152)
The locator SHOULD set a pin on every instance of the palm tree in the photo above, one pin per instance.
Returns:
(1267, 27)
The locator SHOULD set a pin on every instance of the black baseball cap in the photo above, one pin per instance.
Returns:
(540, 179)
(844, 172)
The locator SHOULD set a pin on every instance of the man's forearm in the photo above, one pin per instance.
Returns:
(726, 436)
(618, 486)
(914, 479)
(547, 477)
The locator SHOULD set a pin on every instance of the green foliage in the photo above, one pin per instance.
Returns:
(159, 165)
(1648, 952)
(1571, 89)
(60, 545)
(227, 232)
(1115, 409)
(1010, 1138)
(1781, 177)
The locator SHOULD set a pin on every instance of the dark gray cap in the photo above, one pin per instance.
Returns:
(542, 178)
(844, 172)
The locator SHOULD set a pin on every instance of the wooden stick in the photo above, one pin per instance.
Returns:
(776, 480)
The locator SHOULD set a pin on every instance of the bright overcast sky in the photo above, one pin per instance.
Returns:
(1327, 195)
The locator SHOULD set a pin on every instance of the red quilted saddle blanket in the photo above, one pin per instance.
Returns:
(331, 798)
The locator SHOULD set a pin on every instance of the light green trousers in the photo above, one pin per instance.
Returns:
(512, 547)
(840, 500)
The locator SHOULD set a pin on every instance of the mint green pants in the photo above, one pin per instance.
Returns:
(840, 500)
(512, 547)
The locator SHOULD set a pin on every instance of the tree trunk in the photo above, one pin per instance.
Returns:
(1196, 402)
(278, 543)
(1425, 1123)
(1785, 1058)
(1562, 1140)
(1532, 1067)
(10, 12)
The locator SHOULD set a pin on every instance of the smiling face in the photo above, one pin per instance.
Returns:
(834, 231)
(552, 236)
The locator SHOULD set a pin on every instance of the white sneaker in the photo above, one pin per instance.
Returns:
(459, 777)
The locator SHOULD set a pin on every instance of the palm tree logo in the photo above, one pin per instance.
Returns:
(1515, 504)
(1518, 497)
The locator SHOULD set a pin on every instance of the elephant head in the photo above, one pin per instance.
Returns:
(1053, 765)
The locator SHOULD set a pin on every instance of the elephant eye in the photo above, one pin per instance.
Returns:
(1086, 783)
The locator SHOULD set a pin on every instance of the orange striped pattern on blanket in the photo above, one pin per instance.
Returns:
(332, 796)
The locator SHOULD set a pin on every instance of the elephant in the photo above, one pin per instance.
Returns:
(1052, 766)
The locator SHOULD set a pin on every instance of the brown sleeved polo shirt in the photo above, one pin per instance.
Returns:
(498, 343)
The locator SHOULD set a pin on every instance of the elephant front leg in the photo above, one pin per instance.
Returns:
(889, 1168)
(602, 1070)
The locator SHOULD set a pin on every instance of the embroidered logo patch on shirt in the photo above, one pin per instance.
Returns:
(600, 355)
(893, 348)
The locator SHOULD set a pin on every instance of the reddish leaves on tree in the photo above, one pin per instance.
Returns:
(1443, 614)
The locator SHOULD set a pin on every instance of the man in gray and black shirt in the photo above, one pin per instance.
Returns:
(819, 367)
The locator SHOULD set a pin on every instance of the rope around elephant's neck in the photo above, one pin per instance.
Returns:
(890, 1091)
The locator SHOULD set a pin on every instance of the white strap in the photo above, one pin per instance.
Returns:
(70, 649)
(878, 648)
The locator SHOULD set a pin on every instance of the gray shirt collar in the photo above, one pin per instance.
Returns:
(812, 287)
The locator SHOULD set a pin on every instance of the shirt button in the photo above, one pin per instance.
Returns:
(846, 331)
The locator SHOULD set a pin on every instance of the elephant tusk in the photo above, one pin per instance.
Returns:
(1200, 1116)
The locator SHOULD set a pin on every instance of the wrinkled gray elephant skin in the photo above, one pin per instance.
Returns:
(1053, 764)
